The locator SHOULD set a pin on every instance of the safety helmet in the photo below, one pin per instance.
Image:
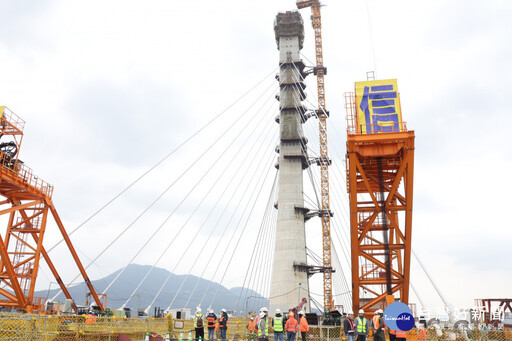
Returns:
(264, 309)
(252, 318)
(291, 313)
(278, 311)
(380, 311)
(301, 312)
(350, 312)
(262, 314)
(223, 310)
(361, 311)
(198, 310)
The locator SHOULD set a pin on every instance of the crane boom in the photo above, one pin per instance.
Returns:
(322, 114)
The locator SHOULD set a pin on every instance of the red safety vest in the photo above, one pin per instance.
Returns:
(211, 322)
(392, 332)
(422, 335)
(252, 326)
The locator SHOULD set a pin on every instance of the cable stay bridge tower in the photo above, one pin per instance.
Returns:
(378, 179)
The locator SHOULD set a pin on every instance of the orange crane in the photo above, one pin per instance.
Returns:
(325, 213)
(26, 205)
(380, 165)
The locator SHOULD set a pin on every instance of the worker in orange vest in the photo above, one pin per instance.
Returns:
(378, 326)
(291, 327)
(303, 325)
(211, 318)
(251, 327)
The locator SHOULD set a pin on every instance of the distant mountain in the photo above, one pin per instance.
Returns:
(133, 275)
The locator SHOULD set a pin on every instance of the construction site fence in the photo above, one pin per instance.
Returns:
(67, 328)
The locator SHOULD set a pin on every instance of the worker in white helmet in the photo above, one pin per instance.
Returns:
(361, 325)
(303, 325)
(263, 325)
(223, 324)
(349, 327)
(378, 327)
(199, 324)
(278, 325)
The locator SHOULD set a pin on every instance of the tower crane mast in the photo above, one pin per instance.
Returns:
(320, 71)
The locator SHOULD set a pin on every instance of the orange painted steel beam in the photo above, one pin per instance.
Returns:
(380, 169)
(29, 198)
(75, 256)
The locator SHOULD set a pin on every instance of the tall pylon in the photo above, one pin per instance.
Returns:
(290, 284)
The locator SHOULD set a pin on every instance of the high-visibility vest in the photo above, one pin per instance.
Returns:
(278, 324)
(265, 331)
(196, 317)
(292, 325)
(251, 326)
(211, 321)
(392, 332)
(351, 323)
(303, 325)
(376, 319)
(422, 335)
(361, 326)
(401, 334)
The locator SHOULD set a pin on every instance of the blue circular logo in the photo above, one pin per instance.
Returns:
(398, 316)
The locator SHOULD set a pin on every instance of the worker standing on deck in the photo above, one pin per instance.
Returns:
(263, 327)
(361, 326)
(291, 327)
(378, 326)
(199, 324)
(211, 318)
(303, 325)
(348, 326)
(278, 326)
(251, 328)
(223, 324)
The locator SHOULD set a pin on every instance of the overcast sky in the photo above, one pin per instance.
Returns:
(108, 88)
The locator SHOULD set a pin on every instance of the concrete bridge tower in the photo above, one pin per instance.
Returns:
(290, 284)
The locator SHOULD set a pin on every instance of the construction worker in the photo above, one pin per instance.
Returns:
(348, 326)
(257, 319)
(361, 325)
(378, 327)
(291, 327)
(199, 324)
(251, 328)
(303, 325)
(263, 327)
(278, 326)
(223, 324)
(211, 318)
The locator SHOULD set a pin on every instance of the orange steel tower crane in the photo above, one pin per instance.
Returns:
(319, 70)
(27, 200)
(380, 164)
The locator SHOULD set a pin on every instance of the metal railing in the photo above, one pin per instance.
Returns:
(24, 174)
